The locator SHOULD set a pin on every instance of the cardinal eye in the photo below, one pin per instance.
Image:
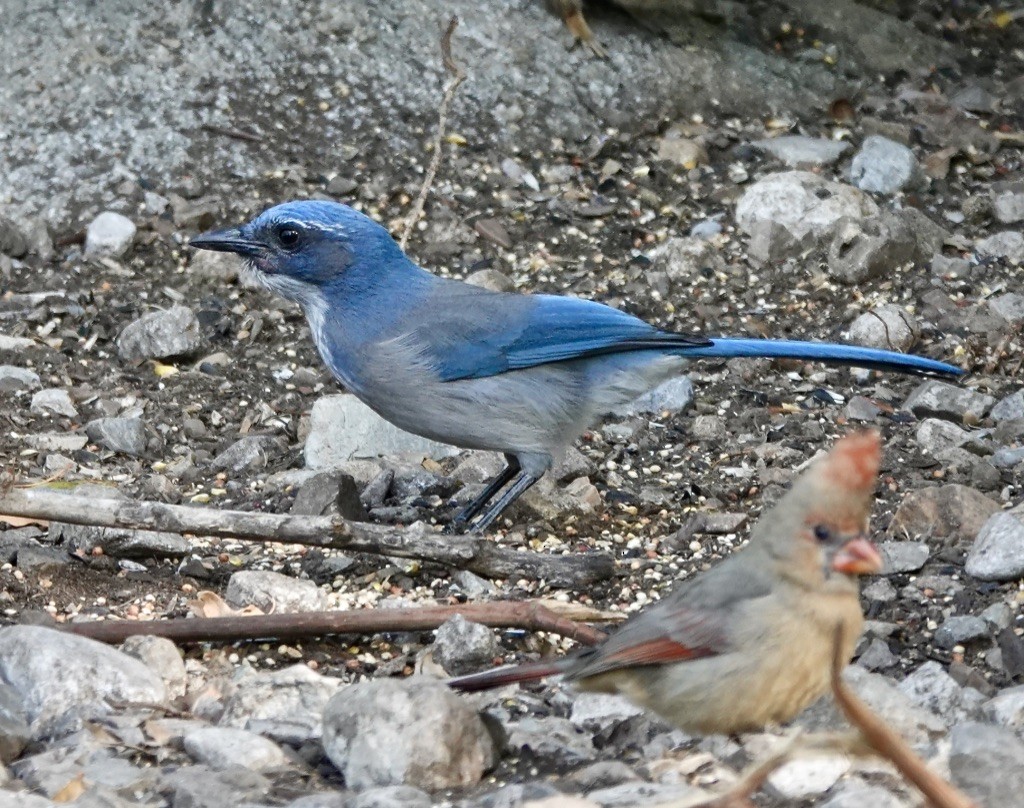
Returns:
(822, 533)
(288, 236)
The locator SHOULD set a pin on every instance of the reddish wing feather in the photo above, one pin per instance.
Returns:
(654, 652)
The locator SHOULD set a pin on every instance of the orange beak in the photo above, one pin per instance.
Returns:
(857, 557)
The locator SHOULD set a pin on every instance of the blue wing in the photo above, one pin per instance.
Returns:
(486, 334)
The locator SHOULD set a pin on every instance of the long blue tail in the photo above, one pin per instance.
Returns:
(827, 352)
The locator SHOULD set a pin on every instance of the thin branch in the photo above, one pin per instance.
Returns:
(457, 77)
(887, 743)
(499, 614)
(416, 541)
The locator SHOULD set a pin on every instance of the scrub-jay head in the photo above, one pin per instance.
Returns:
(299, 249)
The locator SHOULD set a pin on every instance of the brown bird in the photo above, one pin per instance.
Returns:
(751, 641)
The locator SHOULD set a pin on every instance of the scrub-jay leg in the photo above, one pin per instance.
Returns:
(504, 477)
(516, 490)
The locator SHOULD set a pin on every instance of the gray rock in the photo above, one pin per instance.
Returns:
(798, 209)
(342, 428)
(284, 705)
(124, 435)
(903, 556)
(1008, 244)
(200, 786)
(1008, 458)
(683, 259)
(462, 647)
(1007, 708)
(987, 762)
(1009, 306)
(861, 408)
(998, 615)
(15, 344)
(799, 151)
(119, 542)
(884, 166)
(63, 679)
(549, 500)
(160, 335)
(672, 396)
(598, 711)
(250, 453)
(877, 656)
(555, 740)
(216, 267)
(1009, 408)
(998, 552)
(13, 241)
(332, 492)
(959, 629)
(109, 235)
(935, 435)
(273, 592)
(15, 733)
(886, 326)
(13, 378)
(110, 779)
(1008, 202)
(870, 248)
(954, 513)
(387, 732)
(602, 774)
(472, 585)
(162, 656)
(56, 442)
(918, 726)
(930, 687)
(633, 794)
(950, 267)
(855, 794)
(942, 400)
(880, 590)
(54, 400)
(392, 797)
(224, 748)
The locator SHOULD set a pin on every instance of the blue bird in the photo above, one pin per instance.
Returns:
(520, 374)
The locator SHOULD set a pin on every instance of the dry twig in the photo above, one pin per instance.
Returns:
(457, 77)
(500, 614)
(417, 541)
(881, 738)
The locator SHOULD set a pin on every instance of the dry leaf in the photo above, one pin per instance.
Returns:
(210, 604)
(72, 791)
(22, 521)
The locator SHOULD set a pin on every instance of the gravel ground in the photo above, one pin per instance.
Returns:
(636, 181)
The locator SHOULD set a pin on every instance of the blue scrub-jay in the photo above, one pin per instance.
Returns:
(515, 373)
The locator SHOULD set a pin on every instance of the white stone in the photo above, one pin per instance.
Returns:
(808, 776)
(273, 592)
(64, 679)
(998, 552)
(803, 203)
(224, 747)
(109, 234)
(53, 400)
(343, 428)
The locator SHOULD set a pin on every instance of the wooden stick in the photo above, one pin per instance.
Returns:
(457, 77)
(417, 541)
(499, 614)
(887, 743)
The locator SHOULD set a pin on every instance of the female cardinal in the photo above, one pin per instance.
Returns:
(751, 641)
